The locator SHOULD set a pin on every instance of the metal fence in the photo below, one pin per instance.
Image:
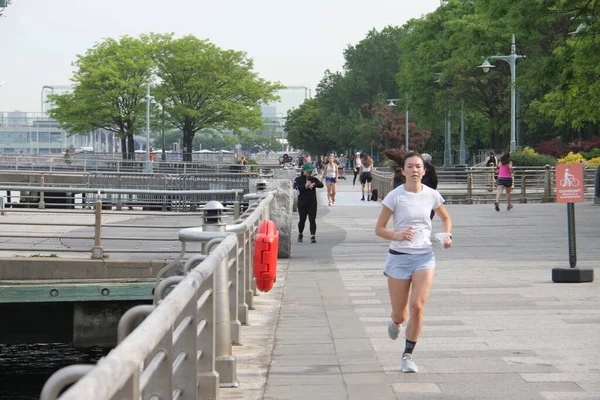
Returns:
(183, 347)
(477, 184)
(90, 162)
(104, 232)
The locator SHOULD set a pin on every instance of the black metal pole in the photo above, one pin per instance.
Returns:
(571, 233)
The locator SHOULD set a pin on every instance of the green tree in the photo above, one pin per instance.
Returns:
(304, 128)
(108, 90)
(203, 86)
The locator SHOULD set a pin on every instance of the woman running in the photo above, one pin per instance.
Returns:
(410, 264)
(330, 172)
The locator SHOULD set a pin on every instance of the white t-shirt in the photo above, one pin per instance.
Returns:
(413, 209)
(331, 170)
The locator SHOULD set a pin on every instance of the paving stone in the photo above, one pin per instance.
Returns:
(494, 327)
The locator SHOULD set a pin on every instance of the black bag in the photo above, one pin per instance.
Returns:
(374, 195)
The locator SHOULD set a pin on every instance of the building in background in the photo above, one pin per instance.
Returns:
(22, 132)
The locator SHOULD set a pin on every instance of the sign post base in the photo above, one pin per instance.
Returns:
(572, 275)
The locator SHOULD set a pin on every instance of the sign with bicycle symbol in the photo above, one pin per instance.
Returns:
(569, 183)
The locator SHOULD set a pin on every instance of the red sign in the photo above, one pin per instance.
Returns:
(569, 183)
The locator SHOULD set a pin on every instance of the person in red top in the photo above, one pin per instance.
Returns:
(151, 154)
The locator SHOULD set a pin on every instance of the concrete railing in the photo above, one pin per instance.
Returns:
(183, 347)
(477, 184)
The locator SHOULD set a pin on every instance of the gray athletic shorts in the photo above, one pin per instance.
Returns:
(403, 266)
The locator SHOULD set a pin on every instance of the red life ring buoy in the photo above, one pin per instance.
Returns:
(266, 244)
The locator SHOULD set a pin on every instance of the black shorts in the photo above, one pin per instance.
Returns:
(366, 177)
(506, 182)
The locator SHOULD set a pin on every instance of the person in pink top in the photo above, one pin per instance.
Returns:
(504, 181)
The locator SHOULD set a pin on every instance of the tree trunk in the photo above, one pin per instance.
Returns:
(188, 138)
(131, 147)
(123, 147)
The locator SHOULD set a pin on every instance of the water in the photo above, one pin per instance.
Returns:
(24, 368)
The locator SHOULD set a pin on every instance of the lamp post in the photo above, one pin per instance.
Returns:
(447, 126)
(163, 156)
(463, 147)
(149, 98)
(512, 62)
(391, 103)
(37, 139)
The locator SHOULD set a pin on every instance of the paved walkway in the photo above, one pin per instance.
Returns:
(496, 327)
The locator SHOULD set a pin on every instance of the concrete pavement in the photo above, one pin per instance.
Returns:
(496, 327)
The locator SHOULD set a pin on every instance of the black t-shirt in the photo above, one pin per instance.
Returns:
(307, 196)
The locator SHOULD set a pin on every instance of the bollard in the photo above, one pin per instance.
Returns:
(547, 185)
(470, 188)
(42, 203)
(97, 250)
(225, 362)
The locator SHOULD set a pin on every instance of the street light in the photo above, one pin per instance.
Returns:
(448, 160)
(391, 103)
(512, 62)
(42, 117)
(149, 99)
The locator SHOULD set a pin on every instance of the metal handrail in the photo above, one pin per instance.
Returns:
(97, 213)
(469, 185)
(175, 348)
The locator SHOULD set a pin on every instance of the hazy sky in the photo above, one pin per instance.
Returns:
(292, 42)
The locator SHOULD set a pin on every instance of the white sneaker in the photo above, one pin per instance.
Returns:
(407, 364)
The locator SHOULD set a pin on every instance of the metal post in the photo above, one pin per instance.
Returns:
(463, 149)
(513, 96)
(97, 250)
(225, 362)
(163, 156)
(406, 138)
(42, 202)
(571, 233)
(445, 136)
(512, 62)
(448, 141)
(547, 185)
(148, 98)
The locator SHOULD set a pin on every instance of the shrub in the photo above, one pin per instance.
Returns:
(585, 145)
(529, 151)
(594, 162)
(526, 159)
(571, 158)
(554, 148)
(588, 155)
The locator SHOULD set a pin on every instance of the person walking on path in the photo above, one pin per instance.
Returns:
(366, 177)
(410, 264)
(492, 163)
(504, 181)
(430, 178)
(330, 172)
(306, 186)
(341, 161)
(357, 166)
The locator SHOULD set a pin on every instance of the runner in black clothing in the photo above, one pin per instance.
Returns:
(306, 186)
